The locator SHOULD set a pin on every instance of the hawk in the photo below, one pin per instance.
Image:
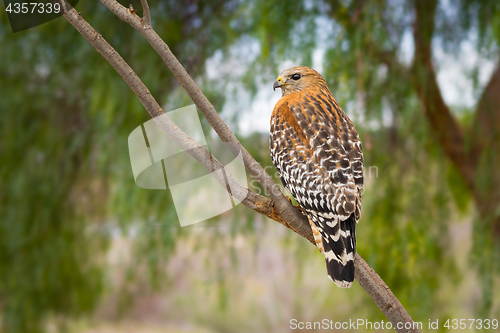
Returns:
(318, 154)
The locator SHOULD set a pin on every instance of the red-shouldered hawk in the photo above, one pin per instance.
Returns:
(319, 157)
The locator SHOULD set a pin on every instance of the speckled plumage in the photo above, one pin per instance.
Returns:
(319, 157)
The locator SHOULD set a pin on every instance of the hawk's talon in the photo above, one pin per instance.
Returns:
(298, 207)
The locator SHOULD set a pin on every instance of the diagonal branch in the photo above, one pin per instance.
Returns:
(208, 110)
(290, 217)
(438, 114)
(250, 199)
(386, 301)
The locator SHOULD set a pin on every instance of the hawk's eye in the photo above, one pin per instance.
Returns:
(296, 76)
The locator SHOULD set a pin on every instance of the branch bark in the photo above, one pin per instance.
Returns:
(285, 213)
(383, 297)
(146, 13)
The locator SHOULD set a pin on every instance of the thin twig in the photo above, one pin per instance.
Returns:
(146, 15)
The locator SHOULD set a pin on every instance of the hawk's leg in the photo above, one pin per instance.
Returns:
(317, 236)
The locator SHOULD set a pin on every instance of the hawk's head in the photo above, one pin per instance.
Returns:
(298, 78)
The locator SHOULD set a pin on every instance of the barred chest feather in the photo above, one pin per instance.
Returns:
(318, 154)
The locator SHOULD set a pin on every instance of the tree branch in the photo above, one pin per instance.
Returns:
(208, 110)
(247, 197)
(382, 295)
(146, 13)
(288, 215)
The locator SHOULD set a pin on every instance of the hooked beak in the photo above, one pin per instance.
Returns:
(278, 83)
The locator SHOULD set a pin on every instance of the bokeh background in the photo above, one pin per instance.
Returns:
(83, 249)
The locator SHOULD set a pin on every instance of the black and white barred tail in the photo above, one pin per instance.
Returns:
(338, 241)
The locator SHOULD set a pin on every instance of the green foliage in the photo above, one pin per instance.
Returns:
(45, 245)
(66, 179)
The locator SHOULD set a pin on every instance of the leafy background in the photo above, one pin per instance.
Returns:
(83, 249)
